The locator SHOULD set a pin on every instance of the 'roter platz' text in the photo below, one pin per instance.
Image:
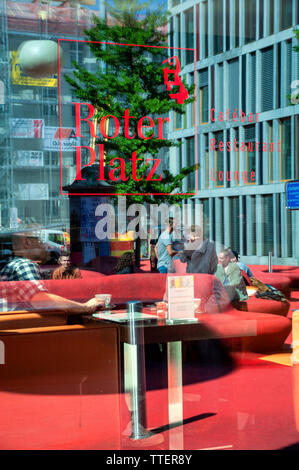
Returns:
(145, 122)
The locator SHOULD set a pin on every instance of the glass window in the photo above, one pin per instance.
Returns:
(271, 154)
(237, 21)
(204, 105)
(286, 11)
(251, 230)
(197, 32)
(289, 56)
(219, 159)
(261, 19)
(189, 28)
(279, 73)
(227, 25)
(267, 79)
(271, 16)
(206, 30)
(285, 154)
(218, 26)
(206, 218)
(250, 21)
(267, 224)
(233, 85)
(190, 160)
(235, 224)
(56, 238)
(250, 151)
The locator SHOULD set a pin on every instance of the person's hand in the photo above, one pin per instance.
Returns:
(93, 305)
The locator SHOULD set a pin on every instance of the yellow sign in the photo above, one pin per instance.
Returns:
(19, 78)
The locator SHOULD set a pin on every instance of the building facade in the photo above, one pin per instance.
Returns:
(29, 128)
(243, 126)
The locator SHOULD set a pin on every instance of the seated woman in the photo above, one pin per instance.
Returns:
(125, 264)
(230, 276)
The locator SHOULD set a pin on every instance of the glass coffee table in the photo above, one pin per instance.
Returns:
(137, 330)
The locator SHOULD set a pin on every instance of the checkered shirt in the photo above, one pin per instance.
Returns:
(16, 295)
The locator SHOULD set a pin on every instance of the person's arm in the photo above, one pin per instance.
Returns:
(45, 300)
(171, 251)
(213, 260)
(156, 250)
(235, 275)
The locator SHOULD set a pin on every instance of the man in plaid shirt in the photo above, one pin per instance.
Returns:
(14, 295)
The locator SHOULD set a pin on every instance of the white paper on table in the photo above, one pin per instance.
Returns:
(180, 297)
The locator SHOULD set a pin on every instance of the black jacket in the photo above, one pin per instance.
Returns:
(202, 259)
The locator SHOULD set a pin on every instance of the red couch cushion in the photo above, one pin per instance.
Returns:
(270, 331)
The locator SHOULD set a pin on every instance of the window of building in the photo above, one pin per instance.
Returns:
(50, 109)
(204, 104)
(171, 36)
(244, 79)
(237, 22)
(267, 225)
(279, 73)
(250, 152)
(206, 28)
(206, 218)
(180, 161)
(286, 12)
(190, 160)
(178, 35)
(204, 96)
(237, 156)
(197, 32)
(219, 88)
(252, 83)
(219, 160)
(189, 31)
(267, 79)
(235, 223)
(286, 153)
(212, 86)
(178, 121)
(261, 19)
(233, 85)
(218, 26)
(250, 21)
(227, 25)
(206, 147)
(271, 17)
(289, 55)
(191, 106)
(271, 154)
(251, 226)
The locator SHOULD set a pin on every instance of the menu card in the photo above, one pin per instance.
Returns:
(180, 297)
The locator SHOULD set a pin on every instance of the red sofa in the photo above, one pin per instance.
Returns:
(283, 278)
(254, 304)
(271, 330)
